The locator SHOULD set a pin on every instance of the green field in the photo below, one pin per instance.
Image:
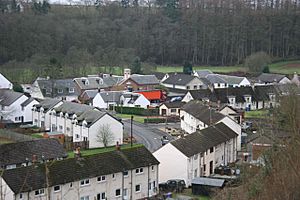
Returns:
(256, 114)
(101, 150)
(220, 69)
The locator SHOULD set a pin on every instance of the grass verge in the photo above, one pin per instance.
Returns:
(256, 114)
(101, 150)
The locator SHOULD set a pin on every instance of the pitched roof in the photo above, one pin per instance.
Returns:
(203, 73)
(175, 104)
(179, 79)
(215, 78)
(202, 94)
(239, 93)
(204, 139)
(96, 82)
(144, 79)
(270, 78)
(262, 92)
(63, 85)
(159, 75)
(7, 97)
(111, 96)
(152, 95)
(28, 101)
(61, 172)
(90, 93)
(202, 112)
(47, 104)
(22, 152)
(231, 80)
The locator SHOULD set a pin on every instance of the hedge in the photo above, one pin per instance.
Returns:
(155, 120)
(137, 111)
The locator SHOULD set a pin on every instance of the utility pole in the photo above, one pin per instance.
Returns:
(131, 130)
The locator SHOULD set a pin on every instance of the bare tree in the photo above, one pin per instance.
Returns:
(105, 135)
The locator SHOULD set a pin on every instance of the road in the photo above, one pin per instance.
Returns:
(145, 134)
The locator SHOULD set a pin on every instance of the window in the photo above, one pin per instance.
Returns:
(118, 192)
(60, 127)
(195, 87)
(113, 176)
(71, 90)
(173, 110)
(149, 186)
(152, 167)
(211, 166)
(101, 196)
(56, 188)
(187, 87)
(137, 188)
(211, 150)
(195, 173)
(139, 170)
(125, 173)
(101, 178)
(196, 157)
(39, 192)
(71, 185)
(125, 191)
(204, 167)
(68, 129)
(85, 198)
(60, 91)
(77, 136)
(21, 196)
(85, 182)
(219, 84)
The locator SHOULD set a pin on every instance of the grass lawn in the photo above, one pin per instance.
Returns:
(256, 114)
(220, 69)
(136, 118)
(101, 150)
(37, 135)
(287, 67)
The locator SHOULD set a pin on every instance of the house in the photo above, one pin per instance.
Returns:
(119, 174)
(170, 108)
(130, 99)
(137, 82)
(103, 99)
(202, 73)
(15, 106)
(197, 154)
(201, 95)
(266, 78)
(238, 97)
(96, 82)
(196, 116)
(184, 82)
(296, 79)
(216, 81)
(53, 88)
(235, 114)
(267, 96)
(82, 123)
(154, 96)
(235, 81)
(5, 83)
(41, 112)
(22, 154)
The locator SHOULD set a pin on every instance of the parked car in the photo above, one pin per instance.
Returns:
(246, 125)
(164, 140)
(177, 185)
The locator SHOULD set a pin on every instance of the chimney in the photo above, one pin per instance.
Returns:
(127, 73)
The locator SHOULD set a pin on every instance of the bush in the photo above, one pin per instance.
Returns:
(137, 111)
(257, 62)
(155, 120)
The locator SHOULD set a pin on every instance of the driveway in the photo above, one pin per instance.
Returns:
(146, 134)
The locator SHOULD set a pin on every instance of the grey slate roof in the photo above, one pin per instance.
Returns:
(159, 75)
(90, 93)
(28, 101)
(222, 94)
(57, 84)
(96, 82)
(202, 112)
(7, 97)
(262, 92)
(270, 78)
(200, 141)
(175, 104)
(179, 79)
(202, 94)
(47, 104)
(144, 79)
(203, 73)
(69, 170)
(231, 80)
(113, 96)
(215, 78)
(22, 152)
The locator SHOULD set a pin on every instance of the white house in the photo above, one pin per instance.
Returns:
(116, 175)
(82, 123)
(235, 81)
(197, 154)
(130, 99)
(170, 108)
(197, 116)
(267, 78)
(184, 82)
(201, 95)
(5, 83)
(15, 106)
